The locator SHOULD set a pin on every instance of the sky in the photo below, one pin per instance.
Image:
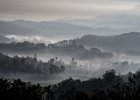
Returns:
(40, 10)
(104, 17)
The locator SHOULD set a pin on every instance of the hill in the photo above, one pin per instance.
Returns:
(126, 43)
(79, 52)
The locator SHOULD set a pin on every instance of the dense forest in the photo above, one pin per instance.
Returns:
(108, 87)
(29, 65)
(22, 47)
(124, 43)
(71, 50)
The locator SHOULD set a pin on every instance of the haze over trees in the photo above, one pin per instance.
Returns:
(22, 47)
(29, 65)
(69, 49)
(3, 39)
(124, 43)
(109, 86)
(81, 48)
(72, 50)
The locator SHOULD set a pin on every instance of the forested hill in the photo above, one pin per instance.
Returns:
(127, 42)
(22, 47)
(79, 52)
(29, 65)
(124, 43)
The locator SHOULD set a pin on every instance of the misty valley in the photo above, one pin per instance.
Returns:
(90, 67)
(69, 50)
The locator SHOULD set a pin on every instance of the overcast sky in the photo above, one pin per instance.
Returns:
(63, 9)
(105, 17)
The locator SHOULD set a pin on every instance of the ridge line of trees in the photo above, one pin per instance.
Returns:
(109, 87)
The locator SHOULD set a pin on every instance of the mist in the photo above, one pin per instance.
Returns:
(83, 58)
(80, 69)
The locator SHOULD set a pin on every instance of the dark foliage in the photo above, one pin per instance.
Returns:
(65, 48)
(29, 65)
(18, 90)
(109, 87)
(22, 47)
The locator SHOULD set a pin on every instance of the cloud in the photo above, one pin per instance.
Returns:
(61, 9)
(34, 39)
(108, 16)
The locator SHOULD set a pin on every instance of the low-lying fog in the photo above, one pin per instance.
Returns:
(83, 69)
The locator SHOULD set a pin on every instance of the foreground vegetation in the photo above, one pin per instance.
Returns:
(109, 87)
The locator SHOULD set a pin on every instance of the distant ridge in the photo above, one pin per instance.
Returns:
(56, 30)
(127, 42)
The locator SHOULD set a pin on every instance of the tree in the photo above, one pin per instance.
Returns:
(109, 75)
